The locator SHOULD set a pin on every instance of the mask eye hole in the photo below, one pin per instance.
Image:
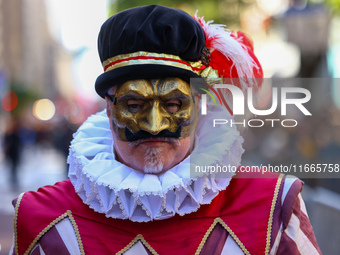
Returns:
(135, 105)
(173, 105)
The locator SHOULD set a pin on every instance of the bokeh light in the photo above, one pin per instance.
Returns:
(43, 109)
(9, 101)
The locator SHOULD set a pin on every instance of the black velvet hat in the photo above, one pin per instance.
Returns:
(148, 42)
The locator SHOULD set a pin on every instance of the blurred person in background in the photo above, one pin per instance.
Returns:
(131, 190)
(12, 150)
(62, 134)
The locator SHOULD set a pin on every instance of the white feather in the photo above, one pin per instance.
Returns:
(232, 49)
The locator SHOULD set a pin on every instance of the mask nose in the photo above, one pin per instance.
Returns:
(156, 120)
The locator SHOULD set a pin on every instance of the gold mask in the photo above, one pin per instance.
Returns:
(151, 108)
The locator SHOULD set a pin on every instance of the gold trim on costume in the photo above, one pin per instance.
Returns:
(272, 208)
(269, 227)
(16, 210)
(76, 230)
(54, 222)
(205, 237)
(143, 57)
(148, 62)
(135, 240)
(36, 239)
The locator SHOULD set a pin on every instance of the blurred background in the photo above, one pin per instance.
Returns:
(49, 62)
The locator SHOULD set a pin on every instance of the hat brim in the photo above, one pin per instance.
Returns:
(120, 75)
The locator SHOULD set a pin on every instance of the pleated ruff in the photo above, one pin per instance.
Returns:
(121, 192)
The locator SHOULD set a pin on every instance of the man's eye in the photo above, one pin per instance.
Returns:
(135, 105)
(173, 106)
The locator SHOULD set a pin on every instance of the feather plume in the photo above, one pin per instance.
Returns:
(232, 54)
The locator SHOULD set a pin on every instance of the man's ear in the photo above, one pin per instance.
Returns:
(109, 106)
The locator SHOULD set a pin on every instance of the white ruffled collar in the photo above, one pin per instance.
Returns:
(119, 191)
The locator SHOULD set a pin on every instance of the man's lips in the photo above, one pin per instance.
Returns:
(153, 140)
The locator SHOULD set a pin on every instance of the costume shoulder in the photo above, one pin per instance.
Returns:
(255, 205)
(37, 212)
(292, 231)
(246, 209)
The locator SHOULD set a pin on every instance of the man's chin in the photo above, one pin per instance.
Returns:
(153, 163)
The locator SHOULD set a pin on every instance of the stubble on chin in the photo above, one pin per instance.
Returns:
(153, 161)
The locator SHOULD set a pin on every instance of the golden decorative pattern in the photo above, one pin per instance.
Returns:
(270, 221)
(269, 227)
(76, 230)
(68, 213)
(16, 210)
(135, 240)
(143, 57)
(36, 239)
(225, 226)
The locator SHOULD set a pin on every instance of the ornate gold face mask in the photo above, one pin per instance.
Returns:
(153, 108)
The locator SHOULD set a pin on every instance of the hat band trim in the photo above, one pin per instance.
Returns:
(142, 58)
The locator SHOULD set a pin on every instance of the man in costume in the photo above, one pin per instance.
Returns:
(131, 190)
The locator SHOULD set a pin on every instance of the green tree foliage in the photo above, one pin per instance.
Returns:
(220, 11)
(334, 5)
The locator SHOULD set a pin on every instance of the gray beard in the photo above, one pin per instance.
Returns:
(152, 161)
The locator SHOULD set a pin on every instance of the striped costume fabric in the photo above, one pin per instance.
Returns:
(291, 232)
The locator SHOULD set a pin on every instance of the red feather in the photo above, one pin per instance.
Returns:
(232, 56)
